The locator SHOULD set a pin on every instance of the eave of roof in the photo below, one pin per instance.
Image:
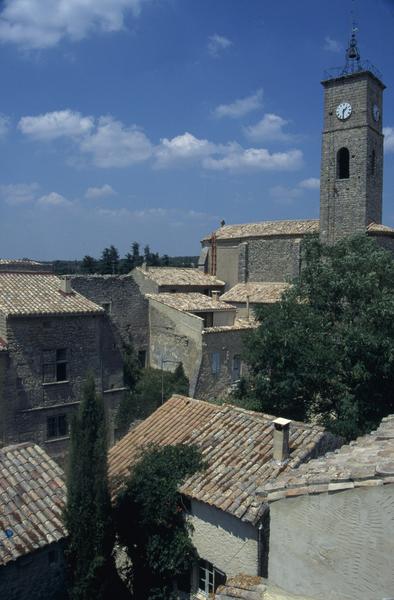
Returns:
(257, 292)
(179, 276)
(191, 302)
(294, 228)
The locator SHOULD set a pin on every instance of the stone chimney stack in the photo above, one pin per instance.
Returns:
(281, 450)
(65, 285)
(145, 266)
(215, 295)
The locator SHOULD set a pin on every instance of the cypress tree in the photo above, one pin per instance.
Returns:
(88, 511)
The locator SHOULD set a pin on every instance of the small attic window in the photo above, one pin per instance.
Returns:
(343, 163)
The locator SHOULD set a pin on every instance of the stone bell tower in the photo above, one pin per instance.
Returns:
(351, 180)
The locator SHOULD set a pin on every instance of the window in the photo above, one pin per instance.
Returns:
(207, 317)
(142, 358)
(54, 365)
(209, 578)
(57, 426)
(343, 162)
(215, 364)
(107, 307)
(236, 370)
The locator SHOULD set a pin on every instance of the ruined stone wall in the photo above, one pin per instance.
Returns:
(36, 576)
(226, 344)
(175, 336)
(273, 259)
(337, 546)
(128, 307)
(30, 400)
(225, 541)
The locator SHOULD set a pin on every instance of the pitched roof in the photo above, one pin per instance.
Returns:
(266, 229)
(265, 292)
(32, 496)
(238, 325)
(253, 588)
(180, 276)
(379, 228)
(367, 461)
(235, 443)
(190, 302)
(39, 294)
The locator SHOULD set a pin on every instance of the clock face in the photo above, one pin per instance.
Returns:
(344, 110)
(376, 112)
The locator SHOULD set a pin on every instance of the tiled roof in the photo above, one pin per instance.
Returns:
(238, 325)
(236, 445)
(253, 588)
(39, 294)
(180, 276)
(190, 302)
(32, 496)
(379, 228)
(266, 229)
(19, 261)
(368, 461)
(259, 292)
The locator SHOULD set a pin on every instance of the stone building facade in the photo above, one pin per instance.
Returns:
(52, 338)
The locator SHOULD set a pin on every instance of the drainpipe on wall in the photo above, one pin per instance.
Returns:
(281, 450)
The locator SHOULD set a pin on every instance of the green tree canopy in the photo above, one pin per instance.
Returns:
(326, 351)
(150, 520)
(88, 511)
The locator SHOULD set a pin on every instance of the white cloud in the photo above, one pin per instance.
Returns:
(217, 44)
(172, 216)
(53, 199)
(4, 125)
(57, 124)
(104, 191)
(312, 183)
(241, 107)
(37, 24)
(269, 128)
(16, 194)
(332, 45)
(285, 195)
(112, 144)
(256, 159)
(388, 133)
(181, 148)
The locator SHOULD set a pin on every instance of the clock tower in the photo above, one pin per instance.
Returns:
(351, 180)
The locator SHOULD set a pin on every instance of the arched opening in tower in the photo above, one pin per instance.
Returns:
(343, 163)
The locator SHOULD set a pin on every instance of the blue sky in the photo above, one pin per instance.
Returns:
(152, 120)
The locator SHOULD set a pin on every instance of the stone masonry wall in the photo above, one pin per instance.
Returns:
(39, 575)
(128, 307)
(273, 259)
(227, 344)
(30, 401)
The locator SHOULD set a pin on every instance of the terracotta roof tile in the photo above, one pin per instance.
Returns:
(39, 294)
(369, 460)
(191, 302)
(266, 229)
(30, 508)
(180, 276)
(265, 292)
(235, 443)
(380, 228)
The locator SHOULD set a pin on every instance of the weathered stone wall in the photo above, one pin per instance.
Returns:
(3, 327)
(348, 205)
(176, 336)
(145, 285)
(224, 318)
(227, 262)
(35, 576)
(225, 541)
(128, 307)
(335, 546)
(273, 259)
(30, 401)
(228, 344)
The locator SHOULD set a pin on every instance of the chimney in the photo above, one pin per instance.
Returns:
(65, 285)
(215, 295)
(281, 439)
(145, 266)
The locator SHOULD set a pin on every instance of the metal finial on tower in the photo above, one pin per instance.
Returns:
(353, 59)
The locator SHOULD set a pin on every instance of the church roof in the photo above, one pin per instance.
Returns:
(365, 462)
(266, 229)
(379, 228)
(259, 292)
(191, 302)
(40, 294)
(236, 444)
(32, 498)
(180, 276)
